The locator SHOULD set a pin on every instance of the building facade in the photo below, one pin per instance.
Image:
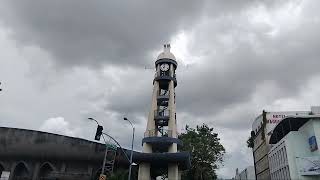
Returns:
(262, 129)
(247, 174)
(294, 152)
(34, 155)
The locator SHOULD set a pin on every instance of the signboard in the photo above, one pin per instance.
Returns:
(313, 143)
(309, 165)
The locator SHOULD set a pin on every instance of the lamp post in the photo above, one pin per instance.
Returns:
(133, 129)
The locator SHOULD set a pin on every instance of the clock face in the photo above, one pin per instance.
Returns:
(164, 67)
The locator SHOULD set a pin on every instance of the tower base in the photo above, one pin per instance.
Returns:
(144, 171)
(173, 172)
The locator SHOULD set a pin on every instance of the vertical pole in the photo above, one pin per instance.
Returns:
(130, 167)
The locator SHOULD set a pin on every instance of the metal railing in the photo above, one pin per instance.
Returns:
(156, 133)
(163, 92)
(162, 113)
(160, 74)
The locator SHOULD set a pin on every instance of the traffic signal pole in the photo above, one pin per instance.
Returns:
(118, 145)
(100, 132)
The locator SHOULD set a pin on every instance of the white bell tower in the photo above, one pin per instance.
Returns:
(160, 143)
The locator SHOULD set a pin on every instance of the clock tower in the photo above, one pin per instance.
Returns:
(160, 143)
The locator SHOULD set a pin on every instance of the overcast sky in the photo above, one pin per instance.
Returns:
(64, 61)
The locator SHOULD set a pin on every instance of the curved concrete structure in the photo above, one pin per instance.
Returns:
(162, 143)
(161, 160)
(31, 155)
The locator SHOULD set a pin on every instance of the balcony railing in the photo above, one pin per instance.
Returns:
(163, 93)
(160, 74)
(156, 133)
(161, 113)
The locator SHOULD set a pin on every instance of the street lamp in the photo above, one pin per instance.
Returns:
(133, 129)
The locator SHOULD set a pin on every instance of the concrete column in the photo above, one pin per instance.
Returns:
(144, 171)
(63, 167)
(13, 165)
(151, 123)
(36, 171)
(147, 148)
(90, 169)
(173, 172)
(172, 121)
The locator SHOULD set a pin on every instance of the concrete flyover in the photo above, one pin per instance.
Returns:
(35, 155)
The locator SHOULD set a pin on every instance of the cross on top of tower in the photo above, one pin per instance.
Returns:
(166, 48)
(166, 54)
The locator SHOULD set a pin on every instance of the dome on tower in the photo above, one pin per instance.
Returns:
(166, 54)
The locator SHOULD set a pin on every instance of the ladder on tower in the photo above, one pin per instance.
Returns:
(110, 158)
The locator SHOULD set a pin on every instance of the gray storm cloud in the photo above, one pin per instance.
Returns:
(98, 32)
(250, 54)
(106, 32)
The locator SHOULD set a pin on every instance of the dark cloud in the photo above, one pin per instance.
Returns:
(106, 32)
(96, 32)
(249, 55)
(236, 67)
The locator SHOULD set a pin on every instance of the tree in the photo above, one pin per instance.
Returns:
(206, 152)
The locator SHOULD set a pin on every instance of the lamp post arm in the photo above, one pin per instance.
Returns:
(118, 145)
(130, 123)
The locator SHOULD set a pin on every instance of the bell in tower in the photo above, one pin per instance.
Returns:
(160, 143)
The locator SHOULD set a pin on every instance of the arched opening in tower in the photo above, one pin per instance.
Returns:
(21, 172)
(45, 172)
(159, 173)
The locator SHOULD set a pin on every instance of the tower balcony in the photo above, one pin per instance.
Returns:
(162, 99)
(164, 79)
(166, 60)
(161, 160)
(160, 140)
(156, 133)
(162, 116)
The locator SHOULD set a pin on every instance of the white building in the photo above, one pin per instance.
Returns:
(263, 128)
(247, 174)
(294, 152)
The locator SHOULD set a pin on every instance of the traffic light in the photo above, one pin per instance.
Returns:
(98, 133)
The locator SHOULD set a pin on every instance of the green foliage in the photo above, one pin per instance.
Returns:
(206, 152)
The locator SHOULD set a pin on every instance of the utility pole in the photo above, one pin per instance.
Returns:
(133, 129)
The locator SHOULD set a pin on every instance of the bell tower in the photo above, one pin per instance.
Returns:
(160, 142)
